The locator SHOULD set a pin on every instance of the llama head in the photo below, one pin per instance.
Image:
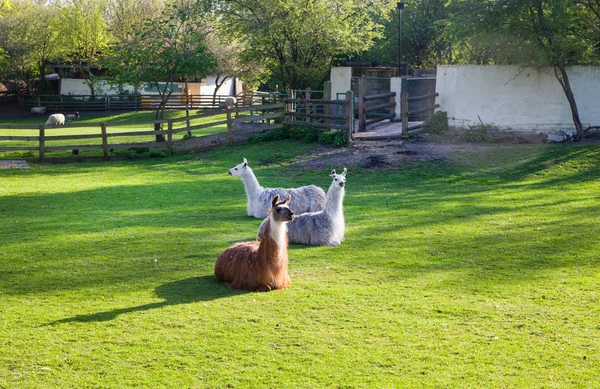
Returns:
(238, 170)
(339, 180)
(280, 211)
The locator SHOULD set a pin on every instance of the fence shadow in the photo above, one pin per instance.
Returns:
(186, 291)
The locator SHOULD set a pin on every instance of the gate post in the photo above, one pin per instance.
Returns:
(404, 108)
(349, 115)
(362, 92)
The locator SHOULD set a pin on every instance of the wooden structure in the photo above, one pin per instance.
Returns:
(321, 113)
(429, 109)
(71, 103)
(100, 139)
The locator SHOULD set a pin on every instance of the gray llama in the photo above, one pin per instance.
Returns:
(323, 228)
(304, 199)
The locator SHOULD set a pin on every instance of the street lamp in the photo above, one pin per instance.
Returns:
(400, 7)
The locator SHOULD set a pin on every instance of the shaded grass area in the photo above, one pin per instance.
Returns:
(478, 271)
(101, 117)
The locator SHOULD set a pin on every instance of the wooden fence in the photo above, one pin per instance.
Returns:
(430, 108)
(268, 113)
(8, 98)
(373, 108)
(321, 113)
(71, 103)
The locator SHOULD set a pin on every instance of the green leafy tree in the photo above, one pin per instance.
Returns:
(163, 52)
(124, 15)
(296, 41)
(29, 37)
(85, 34)
(423, 42)
(531, 33)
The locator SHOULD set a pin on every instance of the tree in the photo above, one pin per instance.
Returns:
(163, 51)
(29, 33)
(297, 40)
(85, 35)
(124, 15)
(424, 43)
(531, 33)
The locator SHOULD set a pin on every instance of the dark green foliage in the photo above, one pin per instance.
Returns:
(139, 153)
(438, 122)
(334, 137)
(302, 133)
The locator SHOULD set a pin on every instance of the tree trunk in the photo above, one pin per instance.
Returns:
(218, 86)
(563, 79)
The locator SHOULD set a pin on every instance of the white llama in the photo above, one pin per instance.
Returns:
(323, 228)
(304, 199)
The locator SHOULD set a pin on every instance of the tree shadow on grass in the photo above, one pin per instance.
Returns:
(186, 291)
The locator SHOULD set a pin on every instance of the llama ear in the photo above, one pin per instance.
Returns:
(245, 162)
(344, 172)
(332, 173)
(275, 201)
(287, 200)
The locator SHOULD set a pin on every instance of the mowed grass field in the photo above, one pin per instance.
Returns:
(481, 270)
(116, 124)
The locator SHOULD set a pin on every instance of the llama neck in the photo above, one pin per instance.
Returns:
(334, 201)
(273, 246)
(250, 182)
(278, 232)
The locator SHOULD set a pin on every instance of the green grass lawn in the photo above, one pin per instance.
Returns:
(99, 117)
(478, 271)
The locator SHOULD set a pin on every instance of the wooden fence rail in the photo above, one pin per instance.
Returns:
(317, 113)
(124, 102)
(381, 105)
(405, 112)
(235, 115)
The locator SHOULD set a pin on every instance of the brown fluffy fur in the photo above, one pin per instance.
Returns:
(258, 266)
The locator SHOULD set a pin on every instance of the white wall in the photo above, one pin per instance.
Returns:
(76, 86)
(341, 81)
(509, 97)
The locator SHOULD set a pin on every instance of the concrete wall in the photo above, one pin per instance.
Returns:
(509, 97)
(341, 80)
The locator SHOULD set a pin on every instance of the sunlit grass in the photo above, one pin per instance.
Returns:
(478, 271)
(101, 117)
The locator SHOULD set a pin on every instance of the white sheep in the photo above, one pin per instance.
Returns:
(72, 116)
(228, 103)
(38, 110)
(57, 119)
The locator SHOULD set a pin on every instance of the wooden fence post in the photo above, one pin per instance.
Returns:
(290, 108)
(327, 96)
(362, 92)
(42, 143)
(404, 109)
(104, 140)
(349, 115)
(229, 129)
(170, 137)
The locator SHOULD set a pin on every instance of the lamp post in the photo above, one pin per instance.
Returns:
(400, 7)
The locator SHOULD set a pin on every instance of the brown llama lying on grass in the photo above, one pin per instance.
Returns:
(260, 266)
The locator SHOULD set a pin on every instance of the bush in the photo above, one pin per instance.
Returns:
(334, 137)
(139, 153)
(302, 133)
(438, 122)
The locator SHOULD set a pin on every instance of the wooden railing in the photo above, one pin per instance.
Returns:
(268, 113)
(334, 114)
(8, 98)
(430, 108)
(71, 103)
